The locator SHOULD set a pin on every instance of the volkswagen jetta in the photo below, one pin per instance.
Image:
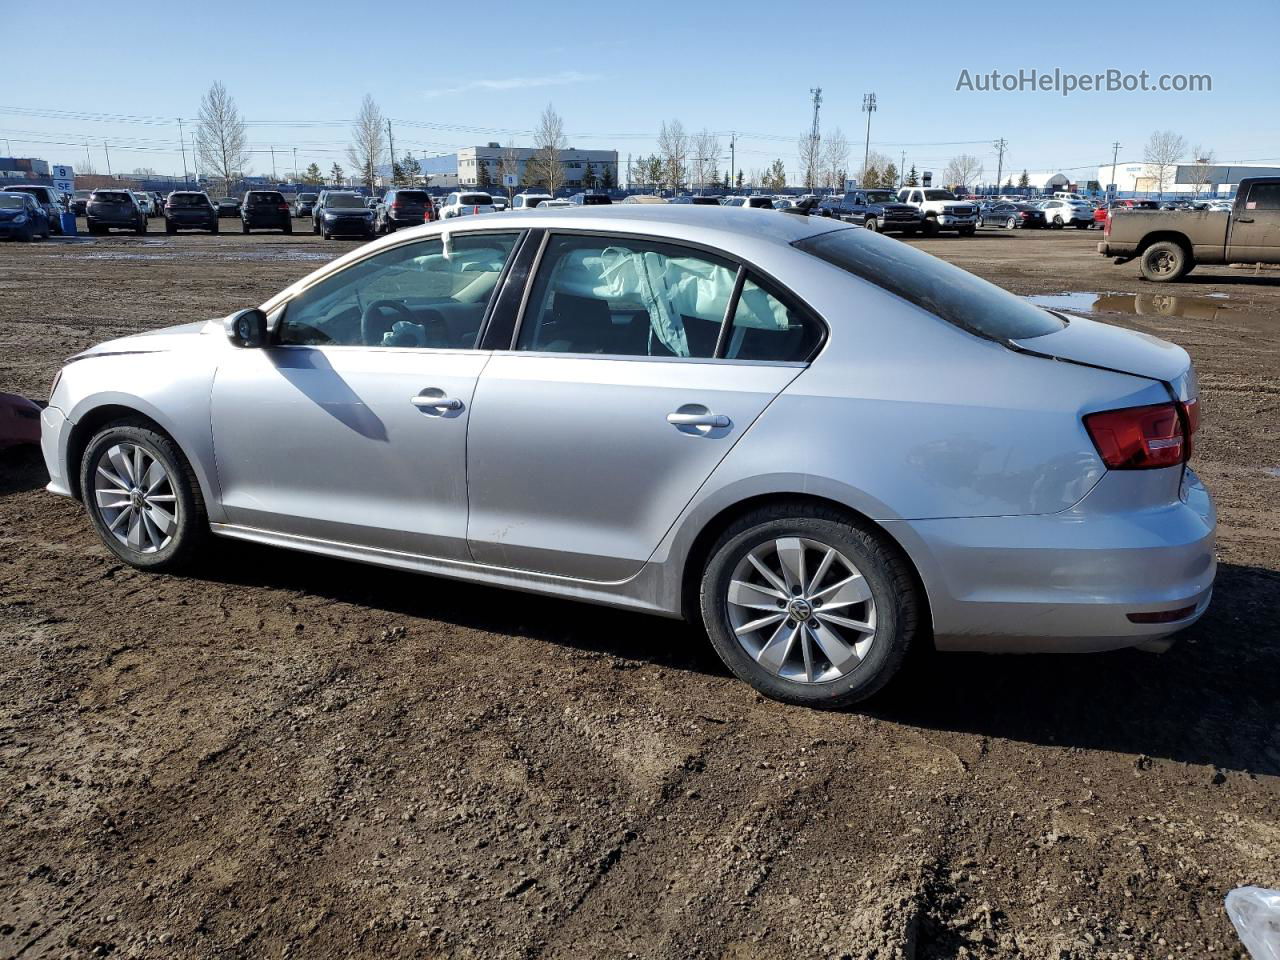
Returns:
(822, 444)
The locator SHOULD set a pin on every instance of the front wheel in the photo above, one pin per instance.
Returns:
(967, 231)
(931, 227)
(872, 224)
(142, 496)
(808, 607)
(1057, 223)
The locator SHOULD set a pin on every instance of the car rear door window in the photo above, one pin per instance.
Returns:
(764, 327)
(428, 294)
(626, 297)
(1263, 196)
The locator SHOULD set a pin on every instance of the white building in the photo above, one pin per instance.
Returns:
(1135, 176)
(465, 165)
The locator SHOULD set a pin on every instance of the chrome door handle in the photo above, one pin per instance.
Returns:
(436, 403)
(698, 420)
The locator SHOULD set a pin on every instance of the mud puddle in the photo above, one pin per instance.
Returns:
(1141, 304)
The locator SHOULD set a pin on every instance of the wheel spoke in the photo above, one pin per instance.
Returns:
(111, 477)
(754, 596)
(769, 575)
(154, 478)
(842, 655)
(774, 653)
(806, 649)
(852, 589)
(112, 499)
(858, 625)
(160, 518)
(122, 515)
(120, 460)
(791, 555)
(821, 572)
(764, 621)
(139, 467)
(135, 536)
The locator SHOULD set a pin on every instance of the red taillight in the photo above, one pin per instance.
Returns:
(397, 205)
(1163, 616)
(1025, 214)
(1142, 438)
(475, 210)
(283, 206)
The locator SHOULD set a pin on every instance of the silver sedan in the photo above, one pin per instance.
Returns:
(823, 445)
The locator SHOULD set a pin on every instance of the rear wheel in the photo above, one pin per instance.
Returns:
(808, 607)
(288, 226)
(315, 227)
(1164, 262)
(141, 227)
(244, 227)
(170, 228)
(1011, 223)
(1057, 223)
(215, 228)
(142, 496)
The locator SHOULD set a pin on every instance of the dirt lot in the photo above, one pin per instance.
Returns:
(293, 756)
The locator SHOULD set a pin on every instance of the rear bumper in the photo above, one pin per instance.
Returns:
(1067, 581)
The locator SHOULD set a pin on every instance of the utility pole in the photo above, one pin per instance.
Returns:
(1115, 152)
(868, 107)
(295, 164)
(902, 170)
(182, 141)
(1001, 145)
(733, 159)
(87, 162)
(814, 137)
(392, 145)
(274, 176)
(107, 151)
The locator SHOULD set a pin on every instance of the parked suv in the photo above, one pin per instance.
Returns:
(1064, 213)
(303, 204)
(49, 199)
(527, 201)
(21, 218)
(878, 210)
(941, 209)
(265, 208)
(188, 209)
(403, 208)
(464, 204)
(118, 209)
(341, 213)
(80, 200)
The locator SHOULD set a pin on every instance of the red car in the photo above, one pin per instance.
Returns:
(19, 421)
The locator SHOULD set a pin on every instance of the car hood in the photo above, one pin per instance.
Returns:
(153, 341)
(1097, 344)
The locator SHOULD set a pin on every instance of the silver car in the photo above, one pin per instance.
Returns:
(824, 445)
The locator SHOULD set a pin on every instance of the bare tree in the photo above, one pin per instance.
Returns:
(1161, 154)
(876, 162)
(366, 152)
(1202, 163)
(550, 141)
(809, 152)
(703, 162)
(961, 170)
(509, 165)
(222, 143)
(835, 160)
(673, 148)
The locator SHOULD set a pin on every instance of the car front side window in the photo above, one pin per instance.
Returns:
(626, 297)
(428, 294)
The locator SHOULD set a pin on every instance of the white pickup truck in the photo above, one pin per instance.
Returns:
(942, 210)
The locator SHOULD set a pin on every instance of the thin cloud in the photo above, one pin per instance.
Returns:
(560, 79)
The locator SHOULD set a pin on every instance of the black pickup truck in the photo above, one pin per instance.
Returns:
(877, 210)
(1168, 244)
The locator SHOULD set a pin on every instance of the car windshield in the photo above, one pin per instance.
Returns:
(880, 196)
(11, 201)
(475, 199)
(344, 201)
(83, 194)
(948, 292)
(188, 200)
(939, 195)
(228, 200)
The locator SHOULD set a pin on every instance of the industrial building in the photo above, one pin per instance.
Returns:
(1216, 179)
(463, 168)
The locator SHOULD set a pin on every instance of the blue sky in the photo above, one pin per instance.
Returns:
(616, 71)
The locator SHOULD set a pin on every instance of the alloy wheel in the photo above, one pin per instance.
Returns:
(136, 498)
(802, 610)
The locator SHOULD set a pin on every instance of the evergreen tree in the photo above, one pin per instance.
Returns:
(606, 178)
(1024, 181)
(589, 179)
(872, 177)
(889, 176)
(397, 174)
(776, 178)
(336, 174)
(913, 178)
(482, 173)
(313, 175)
(410, 169)
(532, 176)
(741, 178)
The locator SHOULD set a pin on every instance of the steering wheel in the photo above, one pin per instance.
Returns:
(374, 323)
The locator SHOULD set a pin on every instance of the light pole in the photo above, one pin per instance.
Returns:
(868, 107)
(182, 141)
(1115, 152)
(295, 164)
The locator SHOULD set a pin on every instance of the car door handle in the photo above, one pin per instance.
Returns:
(717, 420)
(436, 403)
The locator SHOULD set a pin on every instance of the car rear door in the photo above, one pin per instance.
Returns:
(1255, 225)
(622, 392)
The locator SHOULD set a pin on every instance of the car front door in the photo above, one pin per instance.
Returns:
(352, 426)
(1255, 225)
(623, 391)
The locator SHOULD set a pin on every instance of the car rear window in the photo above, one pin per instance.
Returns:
(307, 196)
(265, 196)
(413, 196)
(11, 201)
(112, 197)
(40, 193)
(188, 200)
(952, 294)
(476, 199)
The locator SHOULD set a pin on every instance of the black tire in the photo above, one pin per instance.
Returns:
(908, 231)
(315, 227)
(191, 520)
(930, 227)
(288, 227)
(28, 235)
(216, 228)
(886, 572)
(170, 228)
(1164, 262)
(968, 231)
(872, 224)
(1057, 223)
(1011, 224)
(1084, 226)
(142, 227)
(244, 227)
(325, 234)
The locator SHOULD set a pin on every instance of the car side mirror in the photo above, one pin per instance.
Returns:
(247, 328)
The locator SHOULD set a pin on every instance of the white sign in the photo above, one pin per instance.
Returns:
(64, 179)
(510, 180)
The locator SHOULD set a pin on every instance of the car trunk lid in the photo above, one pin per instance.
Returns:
(1096, 344)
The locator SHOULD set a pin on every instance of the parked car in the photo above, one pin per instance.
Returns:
(643, 198)
(752, 203)
(1029, 490)
(189, 209)
(554, 204)
(1170, 244)
(145, 203)
(877, 210)
(228, 207)
(403, 208)
(80, 200)
(941, 209)
(1100, 216)
(22, 218)
(1067, 213)
(1011, 216)
(1135, 205)
(590, 200)
(303, 205)
(265, 208)
(697, 200)
(466, 203)
(114, 210)
(341, 213)
(48, 198)
(499, 203)
(527, 201)
(19, 417)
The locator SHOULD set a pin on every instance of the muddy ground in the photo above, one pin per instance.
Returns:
(292, 756)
